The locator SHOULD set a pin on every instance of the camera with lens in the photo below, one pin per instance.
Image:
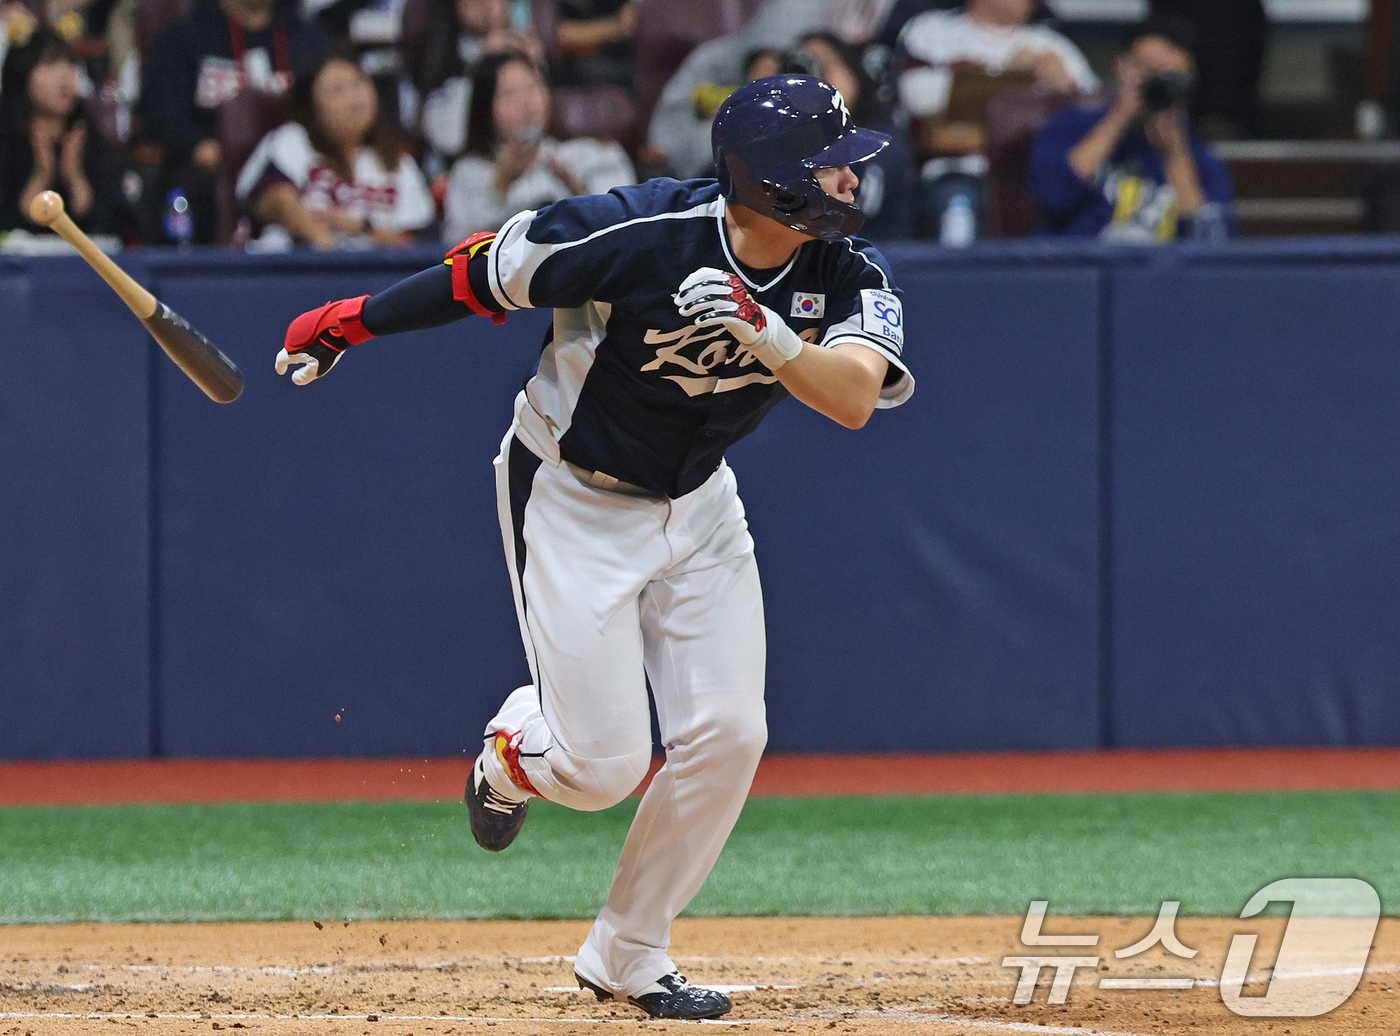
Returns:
(1164, 90)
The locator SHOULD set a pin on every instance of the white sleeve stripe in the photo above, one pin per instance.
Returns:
(526, 257)
(850, 329)
(493, 266)
(870, 343)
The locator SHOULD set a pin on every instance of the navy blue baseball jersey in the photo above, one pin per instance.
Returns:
(629, 387)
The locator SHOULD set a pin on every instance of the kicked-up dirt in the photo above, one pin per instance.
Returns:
(932, 976)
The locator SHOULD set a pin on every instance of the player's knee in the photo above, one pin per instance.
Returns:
(606, 782)
(750, 739)
(736, 739)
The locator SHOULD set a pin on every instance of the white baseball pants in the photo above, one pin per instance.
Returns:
(612, 589)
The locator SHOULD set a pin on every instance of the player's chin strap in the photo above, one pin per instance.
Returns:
(476, 245)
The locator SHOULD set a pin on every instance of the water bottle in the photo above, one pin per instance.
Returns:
(958, 228)
(179, 220)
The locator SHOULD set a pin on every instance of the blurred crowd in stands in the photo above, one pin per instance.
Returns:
(346, 124)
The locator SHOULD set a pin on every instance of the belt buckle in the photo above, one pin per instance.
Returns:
(609, 484)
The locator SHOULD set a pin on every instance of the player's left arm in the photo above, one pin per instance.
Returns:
(842, 383)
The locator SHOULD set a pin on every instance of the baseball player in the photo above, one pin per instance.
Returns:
(683, 312)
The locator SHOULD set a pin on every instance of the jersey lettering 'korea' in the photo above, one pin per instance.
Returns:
(628, 386)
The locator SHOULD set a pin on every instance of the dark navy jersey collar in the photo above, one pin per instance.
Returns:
(757, 280)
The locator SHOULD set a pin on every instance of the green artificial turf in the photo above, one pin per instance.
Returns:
(908, 855)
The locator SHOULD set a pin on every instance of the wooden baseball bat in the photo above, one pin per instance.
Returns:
(194, 354)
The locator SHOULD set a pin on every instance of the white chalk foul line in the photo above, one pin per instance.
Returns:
(897, 1016)
(1379, 969)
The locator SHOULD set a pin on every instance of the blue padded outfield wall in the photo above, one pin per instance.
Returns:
(1140, 498)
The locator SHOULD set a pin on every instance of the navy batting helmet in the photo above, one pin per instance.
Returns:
(771, 135)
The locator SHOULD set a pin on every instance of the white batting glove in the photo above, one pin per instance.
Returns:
(713, 296)
(307, 374)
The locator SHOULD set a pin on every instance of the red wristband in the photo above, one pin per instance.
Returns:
(351, 326)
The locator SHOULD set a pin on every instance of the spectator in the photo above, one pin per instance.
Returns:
(680, 124)
(45, 144)
(951, 65)
(338, 175)
(901, 12)
(510, 165)
(460, 33)
(371, 36)
(1133, 170)
(857, 22)
(101, 30)
(199, 62)
(688, 141)
(886, 180)
(596, 42)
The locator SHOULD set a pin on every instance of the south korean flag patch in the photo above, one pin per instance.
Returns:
(882, 317)
(813, 307)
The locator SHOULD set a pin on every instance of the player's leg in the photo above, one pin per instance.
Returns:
(705, 654)
(580, 735)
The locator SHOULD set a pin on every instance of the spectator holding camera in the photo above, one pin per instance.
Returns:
(951, 65)
(1133, 170)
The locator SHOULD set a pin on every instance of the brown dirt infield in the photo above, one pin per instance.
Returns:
(865, 976)
(258, 780)
(862, 976)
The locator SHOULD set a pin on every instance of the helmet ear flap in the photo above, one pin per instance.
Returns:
(723, 173)
(807, 208)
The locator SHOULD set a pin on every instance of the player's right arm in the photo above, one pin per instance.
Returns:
(842, 382)
(454, 289)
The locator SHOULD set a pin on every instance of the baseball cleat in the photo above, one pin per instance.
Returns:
(670, 996)
(495, 819)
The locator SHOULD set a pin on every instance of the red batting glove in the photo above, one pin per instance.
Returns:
(319, 337)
